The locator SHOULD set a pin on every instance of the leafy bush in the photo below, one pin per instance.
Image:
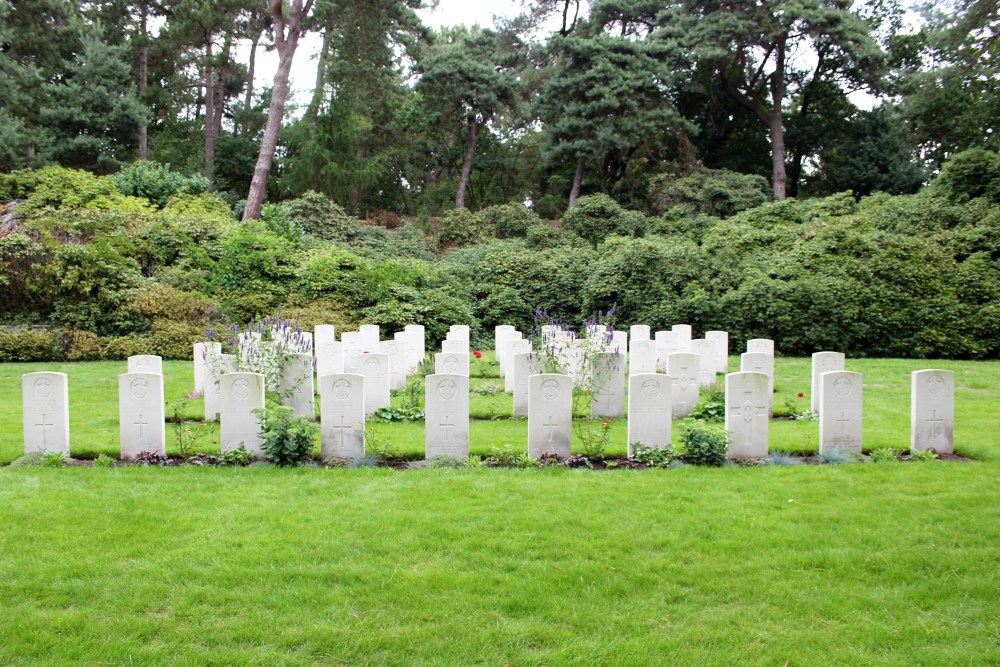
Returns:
(256, 264)
(237, 456)
(319, 216)
(57, 187)
(715, 192)
(104, 461)
(29, 345)
(54, 459)
(156, 182)
(398, 414)
(288, 440)
(507, 221)
(654, 457)
(598, 217)
(458, 227)
(29, 460)
(967, 175)
(543, 235)
(703, 445)
(436, 309)
(885, 455)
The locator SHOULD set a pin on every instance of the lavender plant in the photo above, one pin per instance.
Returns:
(264, 346)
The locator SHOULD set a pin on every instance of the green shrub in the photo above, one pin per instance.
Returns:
(598, 217)
(703, 445)
(967, 175)
(319, 216)
(257, 265)
(714, 192)
(57, 187)
(208, 208)
(237, 456)
(544, 235)
(436, 309)
(654, 457)
(29, 345)
(885, 455)
(287, 440)
(156, 182)
(507, 221)
(104, 461)
(458, 227)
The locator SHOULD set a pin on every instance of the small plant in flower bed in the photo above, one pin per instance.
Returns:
(398, 414)
(654, 457)
(238, 456)
(796, 412)
(153, 459)
(578, 461)
(503, 457)
(200, 459)
(487, 389)
(104, 461)
(704, 445)
(594, 433)
(837, 457)
(712, 407)
(779, 458)
(482, 367)
(924, 455)
(54, 459)
(287, 440)
(884, 455)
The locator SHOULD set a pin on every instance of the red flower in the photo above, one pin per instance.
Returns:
(477, 354)
(801, 394)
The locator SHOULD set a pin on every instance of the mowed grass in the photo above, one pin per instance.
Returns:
(94, 409)
(870, 565)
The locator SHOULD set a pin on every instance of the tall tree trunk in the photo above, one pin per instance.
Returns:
(251, 66)
(30, 157)
(312, 111)
(143, 77)
(777, 125)
(209, 115)
(220, 86)
(574, 193)
(470, 155)
(285, 45)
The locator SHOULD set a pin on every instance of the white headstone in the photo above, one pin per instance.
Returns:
(353, 344)
(683, 368)
(201, 351)
(217, 365)
(523, 366)
(241, 393)
(499, 332)
(765, 345)
(761, 362)
(329, 357)
(502, 350)
(375, 368)
(721, 341)
(446, 424)
(140, 414)
(823, 362)
(342, 415)
(416, 345)
(932, 411)
(324, 333)
(457, 345)
(619, 342)
(45, 409)
(550, 415)
(649, 410)
(642, 356)
(296, 384)
(396, 351)
(638, 332)
(145, 363)
(746, 414)
(682, 337)
(459, 332)
(305, 343)
(840, 412)
(665, 346)
(370, 337)
(608, 393)
(451, 363)
(516, 346)
(705, 349)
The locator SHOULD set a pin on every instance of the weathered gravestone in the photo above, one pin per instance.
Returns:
(682, 337)
(329, 357)
(375, 368)
(649, 410)
(619, 342)
(201, 370)
(642, 356)
(523, 366)
(721, 341)
(550, 415)
(638, 332)
(416, 345)
(502, 336)
(664, 348)
(765, 345)
(45, 409)
(370, 337)
(513, 347)
(342, 415)
(746, 414)
(218, 365)
(242, 393)
(140, 414)
(396, 351)
(499, 332)
(145, 363)
(352, 343)
(296, 384)
(446, 425)
(840, 412)
(324, 333)
(451, 362)
(761, 362)
(823, 362)
(502, 357)
(683, 368)
(607, 394)
(705, 349)
(932, 411)
(459, 332)
(456, 345)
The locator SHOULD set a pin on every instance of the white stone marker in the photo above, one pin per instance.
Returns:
(649, 410)
(370, 336)
(201, 371)
(329, 357)
(840, 412)
(502, 350)
(353, 344)
(416, 345)
(306, 345)
(705, 349)
(45, 409)
(664, 347)
(932, 411)
(607, 398)
(451, 363)
(746, 414)
(342, 415)
(550, 415)
(619, 342)
(375, 368)
(823, 362)
(217, 365)
(516, 346)
(140, 414)
(459, 332)
(682, 337)
(145, 363)
(456, 345)
(296, 385)
(761, 362)
(683, 368)
(523, 366)
(721, 341)
(324, 333)
(446, 425)
(642, 356)
(765, 345)
(396, 351)
(241, 394)
(638, 332)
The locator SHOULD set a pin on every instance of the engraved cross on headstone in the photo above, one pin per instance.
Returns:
(446, 426)
(936, 426)
(44, 425)
(843, 421)
(339, 430)
(140, 424)
(551, 424)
